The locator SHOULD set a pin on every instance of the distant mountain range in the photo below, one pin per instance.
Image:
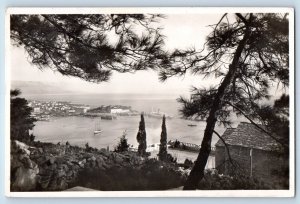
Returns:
(35, 87)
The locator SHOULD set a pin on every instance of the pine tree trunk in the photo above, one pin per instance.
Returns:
(197, 172)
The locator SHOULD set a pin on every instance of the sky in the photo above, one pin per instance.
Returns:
(181, 31)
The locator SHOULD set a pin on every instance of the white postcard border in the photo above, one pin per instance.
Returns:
(161, 10)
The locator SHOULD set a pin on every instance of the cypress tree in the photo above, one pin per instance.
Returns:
(162, 155)
(141, 137)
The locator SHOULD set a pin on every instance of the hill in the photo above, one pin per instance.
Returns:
(36, 87)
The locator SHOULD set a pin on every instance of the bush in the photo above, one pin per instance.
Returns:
(123, 145)
(21, 120)
(214, 181)
(151, 175)
(188, 163)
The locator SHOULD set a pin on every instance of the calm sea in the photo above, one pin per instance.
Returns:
(79, 130)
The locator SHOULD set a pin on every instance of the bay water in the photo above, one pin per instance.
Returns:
(79, 130)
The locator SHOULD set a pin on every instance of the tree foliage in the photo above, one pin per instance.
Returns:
(123, 145)
(141, 137)
(276, 118)
(21, 120)
(162, 154)
(90, 46)
(263, 62)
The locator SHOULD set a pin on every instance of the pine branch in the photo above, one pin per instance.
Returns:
(226, 147)
(256, 125)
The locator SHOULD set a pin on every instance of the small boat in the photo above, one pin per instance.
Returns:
(97, 129)
(97, 132)
(192, 125)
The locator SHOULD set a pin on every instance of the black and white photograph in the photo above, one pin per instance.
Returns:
(150, 102)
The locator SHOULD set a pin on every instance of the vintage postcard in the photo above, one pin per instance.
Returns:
(150, 102)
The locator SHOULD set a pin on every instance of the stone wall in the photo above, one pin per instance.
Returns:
(50, 167)
(220, 159)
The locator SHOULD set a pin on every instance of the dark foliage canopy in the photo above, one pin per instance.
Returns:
(264, 62)
(21, 120)
(123, 145)
(90, 46)
(276, 118)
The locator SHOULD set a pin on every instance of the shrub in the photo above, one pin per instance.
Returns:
(188, 163)
(21, 120)
(150, 175)
(123, 145)
(214, 181)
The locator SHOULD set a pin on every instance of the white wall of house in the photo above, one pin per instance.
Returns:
(36, 110)
(119, 110)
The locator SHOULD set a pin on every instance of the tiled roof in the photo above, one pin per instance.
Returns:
(227, 133)
(248, 135)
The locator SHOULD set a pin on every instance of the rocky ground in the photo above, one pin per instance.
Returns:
(53, 167)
